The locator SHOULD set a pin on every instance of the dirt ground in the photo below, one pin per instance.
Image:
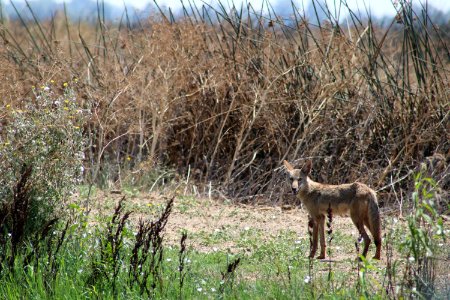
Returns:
(209, 216)
(202, 218)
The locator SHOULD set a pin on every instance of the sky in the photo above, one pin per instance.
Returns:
(379, 8)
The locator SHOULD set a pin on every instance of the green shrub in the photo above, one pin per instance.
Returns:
(41, 150)
(425, 231)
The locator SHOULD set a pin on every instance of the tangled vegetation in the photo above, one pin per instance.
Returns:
(218, 99)
(224, 96)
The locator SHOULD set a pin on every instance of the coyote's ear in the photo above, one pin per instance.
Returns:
(288, 166)
(307, 167)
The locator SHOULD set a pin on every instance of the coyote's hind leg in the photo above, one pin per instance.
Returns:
(360, 225)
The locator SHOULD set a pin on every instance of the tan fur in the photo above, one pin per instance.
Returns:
(356, 200)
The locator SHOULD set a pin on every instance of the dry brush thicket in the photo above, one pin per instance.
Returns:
(226, 101)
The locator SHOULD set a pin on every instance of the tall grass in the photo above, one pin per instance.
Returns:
(228, 94)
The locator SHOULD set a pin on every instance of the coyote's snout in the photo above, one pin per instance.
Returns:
(355, 199)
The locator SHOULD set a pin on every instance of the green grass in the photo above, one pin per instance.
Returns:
(259, 277)
(277, 269)
(274, 268)
(95, 259)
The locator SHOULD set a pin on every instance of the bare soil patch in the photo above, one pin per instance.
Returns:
(218, 225)
(203, 217)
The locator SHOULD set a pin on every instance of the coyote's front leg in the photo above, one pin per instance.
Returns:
(321, 224)
(313, 246)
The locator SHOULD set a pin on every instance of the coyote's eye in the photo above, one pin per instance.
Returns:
(291, 179)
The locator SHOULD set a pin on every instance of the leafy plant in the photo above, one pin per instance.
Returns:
(41, 147)
(107, 264)
(147, 254)
(229, 275)
(425, 230)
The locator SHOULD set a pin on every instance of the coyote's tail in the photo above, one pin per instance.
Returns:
(374, 218)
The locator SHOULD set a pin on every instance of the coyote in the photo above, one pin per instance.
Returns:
(354, 199)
